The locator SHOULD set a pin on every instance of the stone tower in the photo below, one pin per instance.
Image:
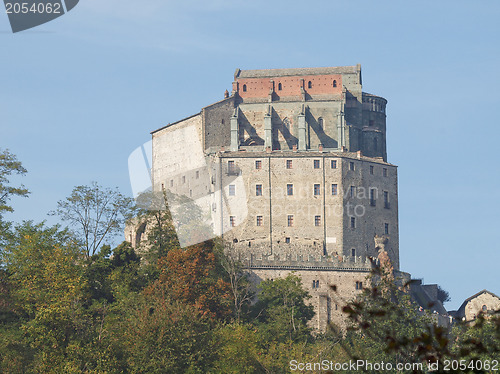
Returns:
(291, 167)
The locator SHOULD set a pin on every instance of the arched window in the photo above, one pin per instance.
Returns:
(375, 144)
(244, 88)
(320, 123)
(309, 84)
(484, 308)
(279, 86)
(334, 83)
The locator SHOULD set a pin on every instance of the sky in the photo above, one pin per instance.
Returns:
(79, 94)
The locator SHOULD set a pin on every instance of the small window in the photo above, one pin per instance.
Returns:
(373, 197)
(183, 179)
(280, 86)
(484, 308)
(230, 167)
(351, 166)
(258, 164)
(386, 200)
(290, 221)
(372, 169)
(162, 186)
(359, 285)
(244, 88)
(334, 288)
(288, 164)
(353, 252)
(320, 123)
(289, 189)
(232, 190)
(353, 191)
(317, 190)
(258, 190)
(287, 240)
(309, 84)
(334, 189)
(353, 222)
(232, 221)
(190, 193)
(171, 182)
(334, 164)
(197, 174)
(316, 164)
(385, 172)
(317, 220)
(259, 220)
(386, 229)
(334, 83)
(315, 283)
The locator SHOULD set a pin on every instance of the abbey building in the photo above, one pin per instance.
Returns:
(291, 168)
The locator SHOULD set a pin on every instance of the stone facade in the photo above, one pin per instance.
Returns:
(484, 302)
(292, 169)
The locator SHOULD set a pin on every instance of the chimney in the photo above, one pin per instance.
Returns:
(321, 147)
(226, 94)
(268, 149)
(359, 154)
(294, 147)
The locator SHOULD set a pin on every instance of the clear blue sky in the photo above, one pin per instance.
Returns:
(79, 94)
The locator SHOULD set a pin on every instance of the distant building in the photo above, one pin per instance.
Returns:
(484, 302)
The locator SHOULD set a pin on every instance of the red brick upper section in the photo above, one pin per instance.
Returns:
(288, 85)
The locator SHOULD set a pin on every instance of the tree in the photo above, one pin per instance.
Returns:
(45, 271)
(193, 276)
(96, 213)
(9, 165)
(282, 310)
(241, 287)
(443, 295)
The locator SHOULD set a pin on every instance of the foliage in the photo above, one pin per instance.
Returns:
(9, 165)
(96, 213)
(193, 276)
(282, 310)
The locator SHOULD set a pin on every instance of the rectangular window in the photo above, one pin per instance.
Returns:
(288, 164)
(334, 164)
(353, 252)
(353, 191)
(372, 197)
(258, 190)
(171, 182)
(316, 164)
(334, 189)
(385, 172)
(232, 190)
(289, 189)
(197, 174)
(351, 166)
(183, 179)
(230, 167)
(317, 190)
(259, 220)
(371, 170)
(290, 221)
(317, 220)
(258, 164)
(353, 222)
(232, 221)
(386, 229)
(386, 200)
(287, 240)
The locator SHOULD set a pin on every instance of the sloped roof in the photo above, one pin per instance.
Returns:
(462, 307)
(269, 73)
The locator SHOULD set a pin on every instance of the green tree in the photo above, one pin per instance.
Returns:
(44, 267)
(282, 311)
(96, 214)
(9, 165)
